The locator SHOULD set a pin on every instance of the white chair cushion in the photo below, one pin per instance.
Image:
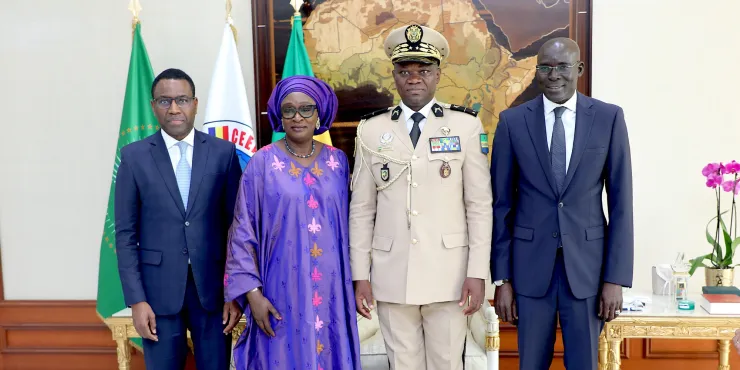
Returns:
(367, 328)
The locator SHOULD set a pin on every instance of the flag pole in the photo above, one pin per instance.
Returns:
(297, 6)
(230, 21)
(135, 9)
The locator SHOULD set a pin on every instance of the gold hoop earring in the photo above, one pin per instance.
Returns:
(318, 123)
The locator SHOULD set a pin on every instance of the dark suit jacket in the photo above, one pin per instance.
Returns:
(531, 218)
(155, 236)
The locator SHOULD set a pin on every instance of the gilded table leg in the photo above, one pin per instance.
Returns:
(124, 354)
(603, 351)
(123, 349)
(614, 357)
(724, 354)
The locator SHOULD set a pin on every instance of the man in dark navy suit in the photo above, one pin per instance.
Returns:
(554, 256)
(175, 194)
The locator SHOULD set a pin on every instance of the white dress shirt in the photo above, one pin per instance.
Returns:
(407, 112)
(172, 148)
(174, 151)
(569, 123)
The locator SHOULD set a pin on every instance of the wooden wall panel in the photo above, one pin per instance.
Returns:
(65, 362)
(47, 338)
(683, 349)
(59, 335)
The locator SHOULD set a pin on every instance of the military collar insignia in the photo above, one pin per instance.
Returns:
(396, 113)
(460, 108)
(437, 110)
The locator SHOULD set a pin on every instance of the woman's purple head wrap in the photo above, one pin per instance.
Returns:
(318, 90)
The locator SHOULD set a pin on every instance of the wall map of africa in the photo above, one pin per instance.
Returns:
(491, 65)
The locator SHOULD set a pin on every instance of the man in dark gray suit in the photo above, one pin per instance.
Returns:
(554, 257)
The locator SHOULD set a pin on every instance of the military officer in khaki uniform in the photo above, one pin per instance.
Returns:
(421, 213)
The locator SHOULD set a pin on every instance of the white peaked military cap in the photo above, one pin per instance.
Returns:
(416, 43)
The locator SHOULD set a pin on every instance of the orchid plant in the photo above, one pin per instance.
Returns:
(721, 177)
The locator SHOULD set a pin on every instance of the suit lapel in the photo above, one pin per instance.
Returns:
(399, 128)
(200, 157)
(584, 123)
(164, 165)
(535, 118)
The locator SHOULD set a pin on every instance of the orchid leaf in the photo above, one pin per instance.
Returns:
(699, 262)
(728, 243)
(733, 247)
(717, 250)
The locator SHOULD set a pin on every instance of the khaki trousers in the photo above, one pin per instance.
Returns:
(426, 337)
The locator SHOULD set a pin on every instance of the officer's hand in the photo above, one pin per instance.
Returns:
(144, 321)
(475, 289)
(505, 304)
(364, 298)
(261, 310)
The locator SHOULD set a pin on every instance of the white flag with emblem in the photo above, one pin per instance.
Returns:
(227, 113)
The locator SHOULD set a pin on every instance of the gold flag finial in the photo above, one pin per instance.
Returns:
(135, 9)
(228, 12)
(297, 6)
(229, 20)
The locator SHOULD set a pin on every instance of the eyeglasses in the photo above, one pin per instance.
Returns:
(181, 101)
(560, 68)
(306, 111)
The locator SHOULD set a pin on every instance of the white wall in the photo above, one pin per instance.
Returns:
(63, 68)
(669, 64)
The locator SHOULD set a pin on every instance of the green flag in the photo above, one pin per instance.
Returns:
(137, 122)
(297, 63)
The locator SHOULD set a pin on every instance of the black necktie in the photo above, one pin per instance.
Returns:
(415, 130)
(557, 149)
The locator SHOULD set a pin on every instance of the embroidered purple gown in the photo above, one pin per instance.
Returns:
(290, 235)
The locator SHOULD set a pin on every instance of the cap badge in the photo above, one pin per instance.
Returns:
(414, 34)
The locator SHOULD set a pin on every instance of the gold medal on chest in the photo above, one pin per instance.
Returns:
(445, 170)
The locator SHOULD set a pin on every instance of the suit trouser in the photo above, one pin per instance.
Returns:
(211, 346)
(579, 323)
(426, 337)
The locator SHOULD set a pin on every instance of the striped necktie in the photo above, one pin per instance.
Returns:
(182, 173)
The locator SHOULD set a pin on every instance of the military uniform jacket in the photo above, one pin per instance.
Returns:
(420, 218)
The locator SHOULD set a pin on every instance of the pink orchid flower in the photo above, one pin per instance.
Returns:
(732, 167)
(731, 186)
(712, 169)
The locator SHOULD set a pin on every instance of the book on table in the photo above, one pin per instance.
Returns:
(720, 290)
(721, 304)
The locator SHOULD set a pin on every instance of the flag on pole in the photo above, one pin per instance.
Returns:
(227, 114)
(297, 63)
(137, 122)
